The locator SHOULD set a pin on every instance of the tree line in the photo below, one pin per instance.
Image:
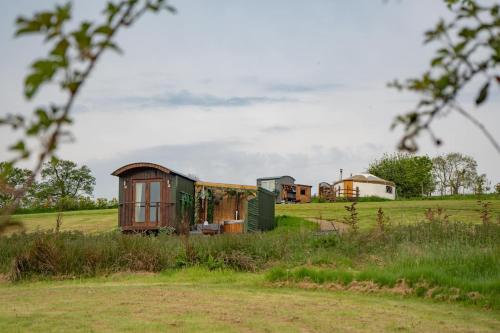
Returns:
(416, 176)
(62, 185)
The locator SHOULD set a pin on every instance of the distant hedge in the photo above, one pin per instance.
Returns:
(71, 204)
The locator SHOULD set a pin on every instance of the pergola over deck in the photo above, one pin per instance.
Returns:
(219, 202)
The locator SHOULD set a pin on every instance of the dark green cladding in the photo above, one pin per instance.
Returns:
(253, 215)
(260, 213)
(183, 196)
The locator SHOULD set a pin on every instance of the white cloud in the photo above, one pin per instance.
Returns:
(235, 90)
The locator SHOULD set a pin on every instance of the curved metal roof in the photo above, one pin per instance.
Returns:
(137, 165)
(271, 178)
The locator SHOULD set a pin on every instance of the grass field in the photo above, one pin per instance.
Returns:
(94, 221)
(397, 211)
(87, 221)
(194, 300)
(293, 279)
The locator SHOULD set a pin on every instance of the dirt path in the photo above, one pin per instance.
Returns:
(327, 225)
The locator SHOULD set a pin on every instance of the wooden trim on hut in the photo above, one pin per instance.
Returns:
(223, 185)
(131, 166)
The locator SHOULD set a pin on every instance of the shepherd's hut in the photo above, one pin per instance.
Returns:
(152, 196)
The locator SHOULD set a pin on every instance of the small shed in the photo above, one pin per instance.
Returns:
(152, 196)
(260, 214)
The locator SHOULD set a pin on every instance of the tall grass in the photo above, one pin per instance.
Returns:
(450, 272)
(74, 254)
(436, 257)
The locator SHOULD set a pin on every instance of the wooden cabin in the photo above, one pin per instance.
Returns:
(302, 193)
(152, 197)
(285, 189)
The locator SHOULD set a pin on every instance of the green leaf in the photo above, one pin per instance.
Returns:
(467, 33)
(26, 26)
(459, 47)
(60, 48)
(104, 30)
(44, 22)
(31, 84)
(45, 18)
(111, 10)
(43, 117)
(443, 81)
(20, 145)
(437, 61)
(112, 46)
(83, 38)
(153, 7)
(72, 86)
(63, 13)
(494, 10)
(483, 94)
(443, 51)
(33, 129)
(43, 71)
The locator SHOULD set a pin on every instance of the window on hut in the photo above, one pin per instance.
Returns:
(140, 202)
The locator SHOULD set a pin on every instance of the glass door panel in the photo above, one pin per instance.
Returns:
(154, 202)
(140, 202)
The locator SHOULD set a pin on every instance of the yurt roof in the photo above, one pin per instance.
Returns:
(367, 178)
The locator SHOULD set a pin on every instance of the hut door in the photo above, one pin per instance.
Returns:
(147, 195)
(154, 202)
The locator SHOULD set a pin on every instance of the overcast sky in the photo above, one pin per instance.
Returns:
(234, 90)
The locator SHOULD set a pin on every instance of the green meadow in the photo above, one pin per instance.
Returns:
(196, 299)
(411, 274)
(103, 220)
(400, 211)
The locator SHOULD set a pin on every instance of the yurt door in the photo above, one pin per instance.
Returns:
(348, 188)
(147, 196)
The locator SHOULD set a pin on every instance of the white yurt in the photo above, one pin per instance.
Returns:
(365, 185)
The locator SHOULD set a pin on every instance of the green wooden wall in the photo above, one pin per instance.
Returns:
(260, 213)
